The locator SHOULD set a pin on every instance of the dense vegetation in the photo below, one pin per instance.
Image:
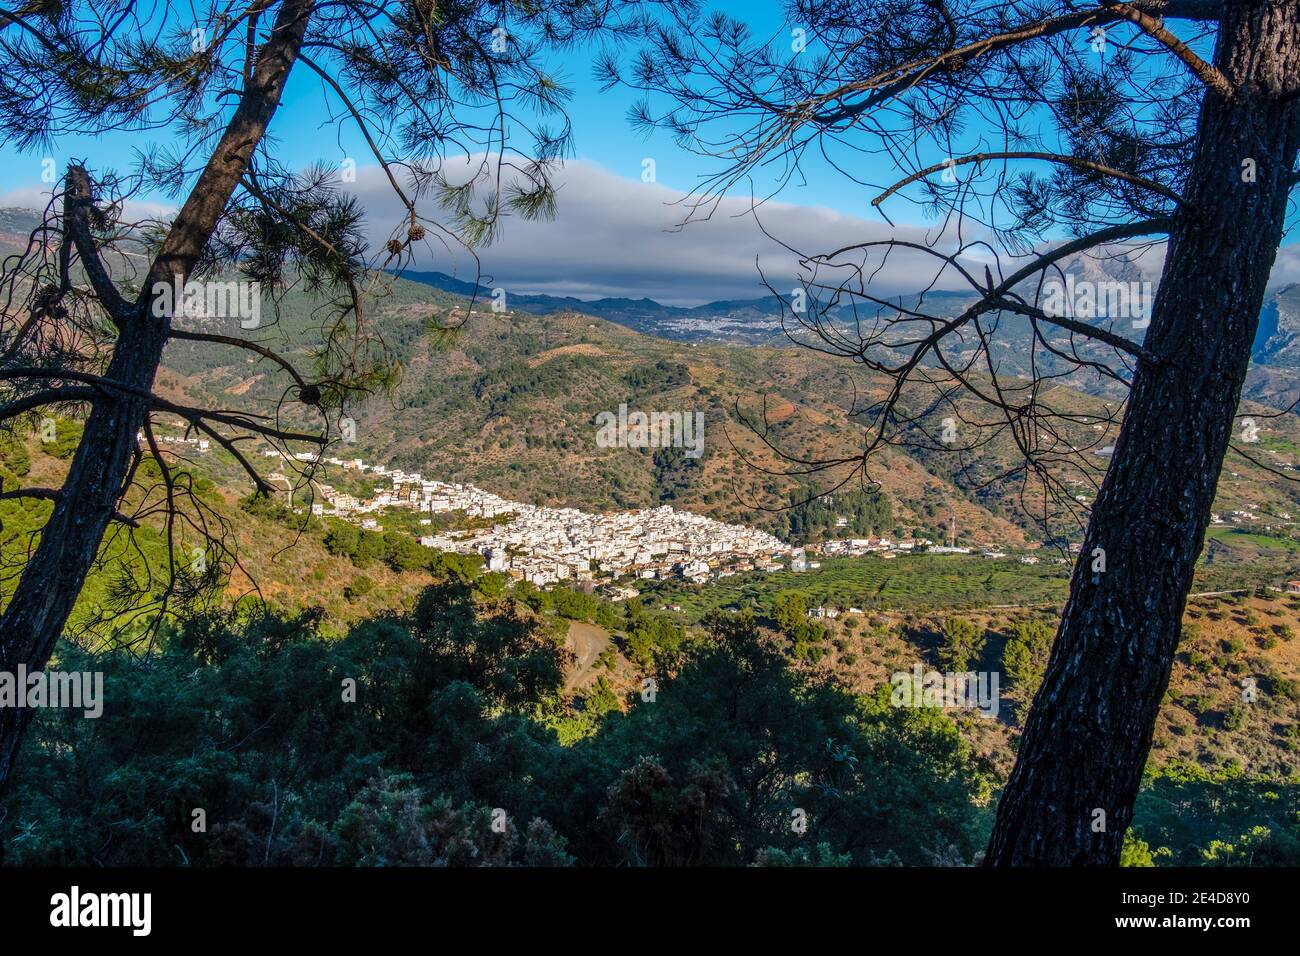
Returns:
(457, 713)
(444, 736)
(864, 512)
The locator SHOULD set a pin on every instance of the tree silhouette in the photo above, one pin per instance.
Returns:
(451, 99)
(1049, 138)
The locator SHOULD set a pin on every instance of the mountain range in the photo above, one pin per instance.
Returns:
(508, 402)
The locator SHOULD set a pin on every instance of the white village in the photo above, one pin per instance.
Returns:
(548, 545)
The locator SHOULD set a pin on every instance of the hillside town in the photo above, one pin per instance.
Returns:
(547, 545)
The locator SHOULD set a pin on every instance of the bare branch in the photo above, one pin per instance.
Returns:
(49, 396)
(77, 203)
(1082, 328)
(884, 86)
(1074, 161)
(1152, 26)
(243, 344)
(53, 494)
(235, 420)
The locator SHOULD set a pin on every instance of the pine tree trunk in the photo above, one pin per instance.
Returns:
(56, 572)
(1086, 740)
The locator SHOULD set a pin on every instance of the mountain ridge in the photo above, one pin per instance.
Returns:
(1274, 377)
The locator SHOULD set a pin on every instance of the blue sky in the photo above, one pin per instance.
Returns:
(612, 227)
(609, 154)
(602, 133)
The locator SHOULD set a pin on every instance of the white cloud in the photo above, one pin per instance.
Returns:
(621, 237)
(38, 197)
(1286, 269)
(28, 197)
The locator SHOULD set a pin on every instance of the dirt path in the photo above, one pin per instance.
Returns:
(586, 641)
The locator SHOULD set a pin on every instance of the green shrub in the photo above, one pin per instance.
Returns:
(358, 587)
(961, 644)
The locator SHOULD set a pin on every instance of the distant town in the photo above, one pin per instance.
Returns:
(548, 545)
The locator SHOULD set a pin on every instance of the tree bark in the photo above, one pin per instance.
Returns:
(1086, 740)
(54, 575)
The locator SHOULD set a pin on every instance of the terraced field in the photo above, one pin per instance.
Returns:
(917, 582)
(927, 582)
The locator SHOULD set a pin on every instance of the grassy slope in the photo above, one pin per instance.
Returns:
(1205, 719)
(291, 569)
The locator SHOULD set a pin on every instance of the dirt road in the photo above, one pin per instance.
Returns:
(586, 641)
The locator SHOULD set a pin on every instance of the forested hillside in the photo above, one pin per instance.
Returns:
(446, 736)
